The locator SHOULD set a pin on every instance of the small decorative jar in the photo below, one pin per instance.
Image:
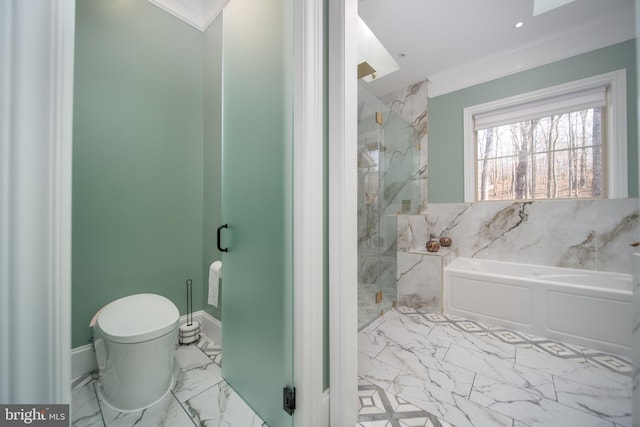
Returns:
(445, 241)
(433, 246)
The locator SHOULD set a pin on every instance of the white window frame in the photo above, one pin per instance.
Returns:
(616, 128)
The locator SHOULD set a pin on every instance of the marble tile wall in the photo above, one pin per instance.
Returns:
(585, 234)
(420, 281)
(410, 104)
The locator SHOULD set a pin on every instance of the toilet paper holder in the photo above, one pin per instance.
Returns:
(189, 332)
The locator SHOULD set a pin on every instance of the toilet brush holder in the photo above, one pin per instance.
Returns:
(189, 332)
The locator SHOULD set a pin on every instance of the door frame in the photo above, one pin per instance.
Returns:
(343, 219)
(308, 217)
(36, 112)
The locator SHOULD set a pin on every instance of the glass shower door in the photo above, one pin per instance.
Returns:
(388, 185)
(376, 231)
(257, 188)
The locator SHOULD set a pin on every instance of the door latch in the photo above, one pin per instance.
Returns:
(289, 400)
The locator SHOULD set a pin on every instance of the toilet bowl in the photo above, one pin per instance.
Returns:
(134, 340)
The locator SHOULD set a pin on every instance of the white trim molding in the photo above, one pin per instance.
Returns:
(36, 109)
(197, 13)
(211, 326)
(308, 218)
(343, 221)
(83, 361)
(616, 130)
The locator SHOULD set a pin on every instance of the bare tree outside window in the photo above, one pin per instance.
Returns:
(559, 156)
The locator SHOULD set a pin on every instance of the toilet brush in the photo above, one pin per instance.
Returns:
(190, 331)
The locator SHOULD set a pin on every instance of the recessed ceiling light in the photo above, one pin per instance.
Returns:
(519, 24)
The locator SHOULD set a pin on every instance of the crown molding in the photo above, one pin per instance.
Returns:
(605, 31)
(197, 13)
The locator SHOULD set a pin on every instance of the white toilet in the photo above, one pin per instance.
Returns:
(134, 340)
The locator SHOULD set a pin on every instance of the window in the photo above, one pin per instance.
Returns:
(568, 141)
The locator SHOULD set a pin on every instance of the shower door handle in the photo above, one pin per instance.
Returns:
(220, 248)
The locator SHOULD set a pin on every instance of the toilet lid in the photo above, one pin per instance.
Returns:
(137, 318)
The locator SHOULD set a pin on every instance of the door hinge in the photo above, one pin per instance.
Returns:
(378, 297)
(289, 400)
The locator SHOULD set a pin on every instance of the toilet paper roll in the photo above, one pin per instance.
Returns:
(215, 274)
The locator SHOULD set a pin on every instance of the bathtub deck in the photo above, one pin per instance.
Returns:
(420, 369)
(199, 397)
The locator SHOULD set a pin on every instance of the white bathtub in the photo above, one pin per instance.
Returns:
(588, 308)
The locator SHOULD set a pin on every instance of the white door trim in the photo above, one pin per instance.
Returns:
(308, 184)
(36, 112)
(343, 221)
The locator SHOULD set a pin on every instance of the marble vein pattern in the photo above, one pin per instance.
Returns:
(419, 281)
(585, 234)
(466, 373)
(411, 103)
(221, 406)
(529, 408)
(85, 408)
(199, 396)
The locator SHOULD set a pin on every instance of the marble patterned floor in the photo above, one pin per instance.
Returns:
(199, 397)
(421, 369)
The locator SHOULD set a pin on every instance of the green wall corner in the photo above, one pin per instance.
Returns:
(137, 157)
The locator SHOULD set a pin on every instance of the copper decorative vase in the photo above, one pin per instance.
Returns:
(445, 241)
(433, 246)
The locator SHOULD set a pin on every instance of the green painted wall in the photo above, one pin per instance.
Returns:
(212, 154)
(445, 113)
(137, 157)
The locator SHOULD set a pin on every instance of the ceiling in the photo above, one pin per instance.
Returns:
(459, 43)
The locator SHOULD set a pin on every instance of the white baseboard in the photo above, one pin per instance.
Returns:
(83, 361)
(83, 358)
(211, 326)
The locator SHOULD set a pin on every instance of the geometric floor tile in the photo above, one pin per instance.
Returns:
(211, 349)
(502, 378)
(435, 318)
(380, 408)
(409, 311)
(470, 326)
(611, 362)
(372, 406)
(509, 336)
(558, 349)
